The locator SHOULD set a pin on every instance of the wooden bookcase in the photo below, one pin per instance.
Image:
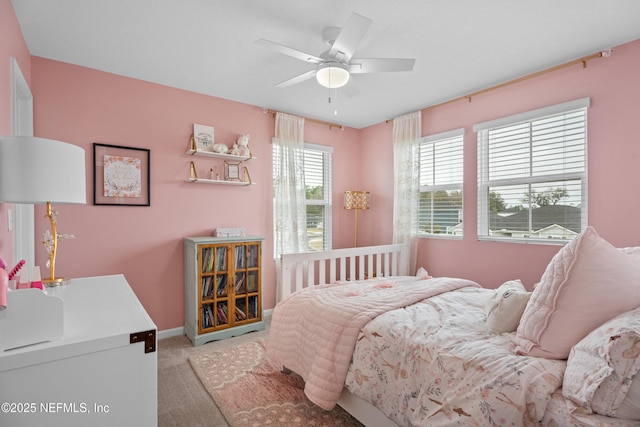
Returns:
(222, 287)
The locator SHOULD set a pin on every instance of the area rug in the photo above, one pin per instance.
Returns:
(251, 391)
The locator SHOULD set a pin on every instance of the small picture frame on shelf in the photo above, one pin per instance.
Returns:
(202, 138)
(231, 171)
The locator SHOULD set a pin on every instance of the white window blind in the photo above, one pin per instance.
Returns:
(317, 183)
(441, 177)
(532, 174)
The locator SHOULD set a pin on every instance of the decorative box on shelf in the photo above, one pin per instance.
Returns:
(230, 232)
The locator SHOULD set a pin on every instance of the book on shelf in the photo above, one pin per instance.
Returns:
(252, 282)
(221, 285)
(207, 286)
(207, 260)
(253, 307)
(207, 316)
(240, 257)
(240, 315)
(222, 316)
(253, 256)
(221, 255)
(240, 283)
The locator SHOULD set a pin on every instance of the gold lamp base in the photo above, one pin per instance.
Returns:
(52, 282)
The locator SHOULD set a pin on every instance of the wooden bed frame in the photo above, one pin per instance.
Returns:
(306, 269)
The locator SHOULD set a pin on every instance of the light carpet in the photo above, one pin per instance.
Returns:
(251, 391)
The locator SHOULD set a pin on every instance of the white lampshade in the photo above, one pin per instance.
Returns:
(38, 170)
(332, 74)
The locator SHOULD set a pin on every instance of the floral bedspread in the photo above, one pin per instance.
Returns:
(434, 364)
(314, 331)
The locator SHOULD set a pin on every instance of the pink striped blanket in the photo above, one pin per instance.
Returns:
(314, 331)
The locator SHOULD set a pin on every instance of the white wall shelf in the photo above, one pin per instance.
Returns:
(219, 155)
(218, 181)
(193, 176)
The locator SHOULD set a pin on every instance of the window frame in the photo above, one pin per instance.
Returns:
(432, 140)
(484, 183)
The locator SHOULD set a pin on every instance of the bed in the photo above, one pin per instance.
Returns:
(394, 348)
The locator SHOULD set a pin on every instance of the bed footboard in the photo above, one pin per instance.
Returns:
(306, 269)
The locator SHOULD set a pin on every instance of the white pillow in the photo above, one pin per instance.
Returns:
(504, 309)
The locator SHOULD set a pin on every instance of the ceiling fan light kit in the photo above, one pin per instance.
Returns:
(332, 74)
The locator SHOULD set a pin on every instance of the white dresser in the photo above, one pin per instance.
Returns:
(102, 372)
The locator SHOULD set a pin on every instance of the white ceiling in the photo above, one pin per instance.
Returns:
(208, 46)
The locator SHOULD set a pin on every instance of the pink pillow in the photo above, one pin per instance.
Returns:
(586, 283)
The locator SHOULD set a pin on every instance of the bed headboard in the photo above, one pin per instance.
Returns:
(306, 269)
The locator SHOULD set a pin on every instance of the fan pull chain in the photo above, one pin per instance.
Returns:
(335, 95)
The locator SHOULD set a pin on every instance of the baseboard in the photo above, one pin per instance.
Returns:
(170, 333)
(167, 333)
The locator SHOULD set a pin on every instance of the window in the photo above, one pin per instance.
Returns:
(441, 176)
(317, 183)
(532, 174)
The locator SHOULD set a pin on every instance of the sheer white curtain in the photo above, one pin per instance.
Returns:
(406, 197)
(290, 212)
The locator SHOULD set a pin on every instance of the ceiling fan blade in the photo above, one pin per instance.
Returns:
(289, 51)
(380, 65)
(297, 79)
(350, 37)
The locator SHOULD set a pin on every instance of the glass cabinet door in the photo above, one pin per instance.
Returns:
(253, 255)
(214, 286)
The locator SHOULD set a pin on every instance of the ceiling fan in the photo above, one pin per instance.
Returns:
(335, 66)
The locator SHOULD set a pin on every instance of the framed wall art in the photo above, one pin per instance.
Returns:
(203, 137)
(231, 171)
(121, 175)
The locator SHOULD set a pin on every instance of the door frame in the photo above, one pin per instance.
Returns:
(22, 125)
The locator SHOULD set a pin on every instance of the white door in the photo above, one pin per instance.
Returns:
(22, 125)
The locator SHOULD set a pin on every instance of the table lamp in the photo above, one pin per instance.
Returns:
(356, 200)
(42, 171)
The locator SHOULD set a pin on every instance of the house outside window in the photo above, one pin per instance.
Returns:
(441, 177)
(317, 183)
(532, 175)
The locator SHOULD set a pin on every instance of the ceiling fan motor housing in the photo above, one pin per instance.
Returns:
(330, 34)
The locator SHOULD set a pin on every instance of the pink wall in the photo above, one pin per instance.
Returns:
(614, 153)
(11, 45)
(375, 225)
(82, 106)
